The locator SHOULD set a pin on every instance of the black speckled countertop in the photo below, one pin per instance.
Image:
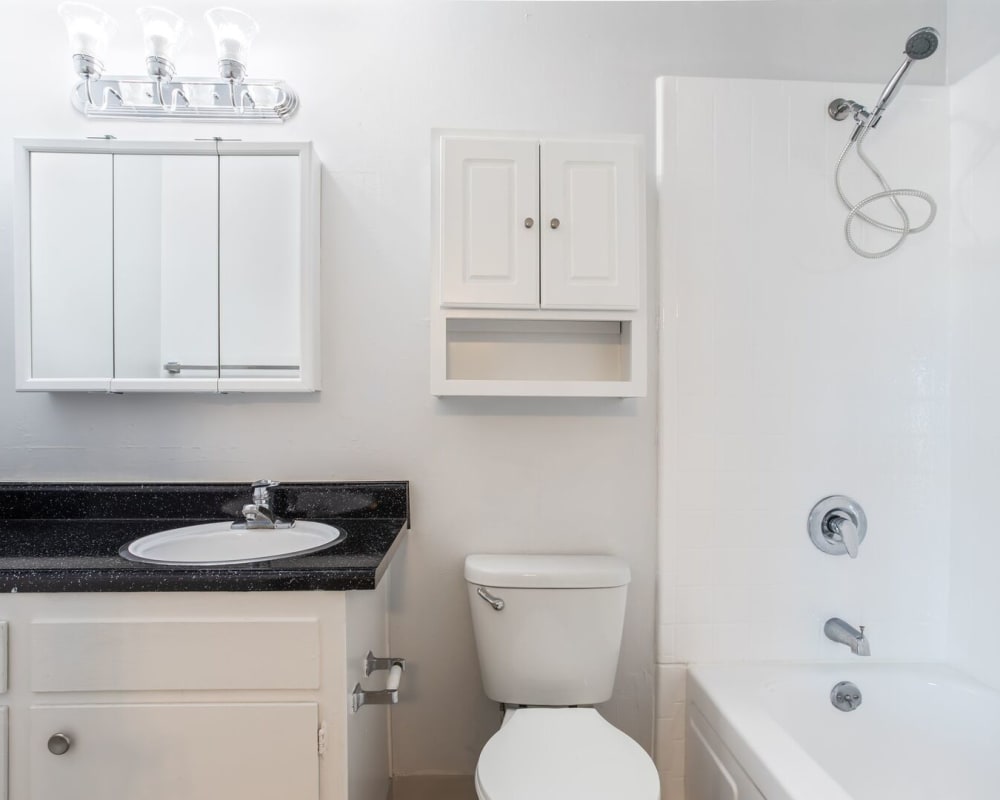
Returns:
(65, 537)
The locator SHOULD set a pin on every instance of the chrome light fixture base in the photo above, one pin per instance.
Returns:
(87, 66)
(232, 70)
(160, 68)
(190, 99)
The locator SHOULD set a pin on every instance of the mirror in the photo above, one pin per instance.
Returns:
(259, 276)
(71, 266)
(166, 267)
(170, 266)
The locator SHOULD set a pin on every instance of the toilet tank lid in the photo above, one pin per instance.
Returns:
(547, 572)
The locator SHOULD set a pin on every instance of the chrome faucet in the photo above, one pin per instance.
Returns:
(837, 630)
(259, 514)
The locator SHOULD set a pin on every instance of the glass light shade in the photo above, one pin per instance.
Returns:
(163, 32)
(233, 31)
(90, 29)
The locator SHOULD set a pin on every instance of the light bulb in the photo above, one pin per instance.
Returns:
(163, 33)
(90, 31)
(233, 31)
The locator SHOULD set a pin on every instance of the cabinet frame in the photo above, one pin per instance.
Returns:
(632, 381)
(309, 291)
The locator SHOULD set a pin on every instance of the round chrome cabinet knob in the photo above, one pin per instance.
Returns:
(554, 224)
(529, 223)
(59, 744)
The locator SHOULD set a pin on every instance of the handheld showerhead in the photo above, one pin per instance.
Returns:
(921, 44)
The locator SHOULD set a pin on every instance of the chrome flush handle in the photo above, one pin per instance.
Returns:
(494, 601)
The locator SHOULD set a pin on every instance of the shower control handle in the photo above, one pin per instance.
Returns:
(837, 525)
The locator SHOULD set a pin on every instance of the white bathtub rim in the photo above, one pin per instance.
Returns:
(779, 767)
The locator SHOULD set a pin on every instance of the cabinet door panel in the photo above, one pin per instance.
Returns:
(260, 266)
(252, 751)
(590, 256)
(166, 268)
(71, 267)
(489, 256)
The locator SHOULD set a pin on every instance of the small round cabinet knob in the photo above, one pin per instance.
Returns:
(59, 743)
(529, 223)
(555, 223)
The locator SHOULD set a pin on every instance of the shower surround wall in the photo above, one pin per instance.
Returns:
(975, 597)
(792, 369)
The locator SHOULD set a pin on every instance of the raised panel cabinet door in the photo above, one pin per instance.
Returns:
(260, 266)
(250, 751)
(71, 267)
(591, 228)
(488, 221)
(167, 269)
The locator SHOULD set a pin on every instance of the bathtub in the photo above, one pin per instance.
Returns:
(770, 732)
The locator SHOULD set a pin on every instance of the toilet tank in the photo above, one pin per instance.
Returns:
(555, 642)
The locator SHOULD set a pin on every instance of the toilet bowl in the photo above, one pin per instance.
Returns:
(548, 631)
(571, 753)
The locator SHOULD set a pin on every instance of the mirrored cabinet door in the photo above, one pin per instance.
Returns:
(71, 268)
(260, 291)
(166, 300)
(166, 266)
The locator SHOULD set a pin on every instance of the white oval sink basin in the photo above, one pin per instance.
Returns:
(218, 543)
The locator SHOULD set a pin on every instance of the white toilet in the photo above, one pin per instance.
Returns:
(548, 630)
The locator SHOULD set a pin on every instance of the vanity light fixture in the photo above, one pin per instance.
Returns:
(234, 31)
(159, 94)
(90, 31)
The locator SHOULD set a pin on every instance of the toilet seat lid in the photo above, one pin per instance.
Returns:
(545, 753)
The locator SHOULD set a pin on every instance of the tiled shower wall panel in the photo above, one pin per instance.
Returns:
(975, 601)
(792, 369)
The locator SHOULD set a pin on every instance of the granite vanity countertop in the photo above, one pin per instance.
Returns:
(66, 537)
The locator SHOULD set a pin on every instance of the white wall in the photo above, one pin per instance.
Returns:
(973, 34)
(792, 369)
(374, 78)
(975, 600)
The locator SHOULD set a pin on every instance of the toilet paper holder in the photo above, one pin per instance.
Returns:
(387, 696)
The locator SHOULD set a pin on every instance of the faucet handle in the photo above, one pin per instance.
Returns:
(845, 528)
(262, 491)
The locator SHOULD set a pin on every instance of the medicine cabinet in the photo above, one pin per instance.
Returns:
(539, 285)
(167, 267)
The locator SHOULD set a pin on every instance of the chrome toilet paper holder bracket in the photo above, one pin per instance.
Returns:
(387, 696)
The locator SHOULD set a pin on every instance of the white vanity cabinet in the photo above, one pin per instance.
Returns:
(194, 695)
(539, 269)
(184, 266)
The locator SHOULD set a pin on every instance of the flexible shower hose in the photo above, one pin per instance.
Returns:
(888, 193)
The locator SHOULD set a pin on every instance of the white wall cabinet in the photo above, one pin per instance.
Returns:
(539, 266)
(540, 224)
(167, 266)
(193, 695)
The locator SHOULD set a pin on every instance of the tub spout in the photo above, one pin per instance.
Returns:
(837, 630)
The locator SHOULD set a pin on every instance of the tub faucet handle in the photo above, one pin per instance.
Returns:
(847, 530)
(837, 525)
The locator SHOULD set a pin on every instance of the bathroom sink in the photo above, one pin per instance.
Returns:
(219, 543)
